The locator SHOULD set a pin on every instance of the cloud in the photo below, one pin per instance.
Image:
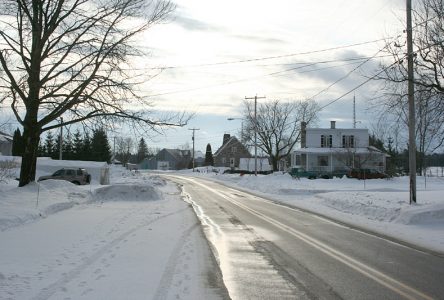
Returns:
(260, 39)
(194, 24)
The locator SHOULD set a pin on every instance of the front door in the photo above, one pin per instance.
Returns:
(232, 162)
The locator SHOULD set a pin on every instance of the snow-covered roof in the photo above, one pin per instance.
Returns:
(47, 161)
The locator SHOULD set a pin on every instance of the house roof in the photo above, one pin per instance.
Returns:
(176, 153)
(232, 139)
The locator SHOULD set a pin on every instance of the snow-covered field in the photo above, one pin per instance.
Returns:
(133, 239)
(377, 205)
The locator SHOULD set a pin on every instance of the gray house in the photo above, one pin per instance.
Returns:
(230, 153)
(5, 144)
(167, 159)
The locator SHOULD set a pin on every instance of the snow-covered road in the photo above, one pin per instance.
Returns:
(126, 241)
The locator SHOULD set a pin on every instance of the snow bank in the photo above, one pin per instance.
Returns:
(426, 215)
(127, 192)
(38, 200)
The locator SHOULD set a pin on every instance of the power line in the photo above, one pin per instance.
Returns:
(271, 57)
(265, 75)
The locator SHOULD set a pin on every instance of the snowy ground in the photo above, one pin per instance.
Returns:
(133, 239)
(377, 205)
(137, 239)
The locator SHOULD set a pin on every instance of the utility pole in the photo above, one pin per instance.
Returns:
(411, 91)
(61, 139)
(354, 112)
(193, 129)
(255, 130)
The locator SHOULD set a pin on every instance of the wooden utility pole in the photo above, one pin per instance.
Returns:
(255, 130)
(411, 97)
(193, 129)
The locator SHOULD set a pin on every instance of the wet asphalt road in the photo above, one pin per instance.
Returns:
(270, 251)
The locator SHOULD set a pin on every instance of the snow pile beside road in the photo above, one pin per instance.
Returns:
(422, 215)
(127, 192)
(38, 200)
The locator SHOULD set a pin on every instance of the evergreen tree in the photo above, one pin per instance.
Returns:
(77, 146)
(142, 151)
(100, 148)
(18, 145)
(209, 160)
(67, 147)
(56, 152)
(86, 148)
(49, 144)
(41, 150)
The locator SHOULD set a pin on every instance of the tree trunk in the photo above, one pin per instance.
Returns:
(274, 161)
(31, 137)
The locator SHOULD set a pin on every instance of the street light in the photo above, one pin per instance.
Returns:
(242, 127)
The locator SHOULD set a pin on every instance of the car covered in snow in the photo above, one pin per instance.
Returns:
(77, 176)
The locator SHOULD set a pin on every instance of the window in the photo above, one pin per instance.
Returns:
(70, 172)
(233, 149)
(224, 160)
(58, 173)
(298, 160)
(348, 141)
(322, 161)
(326, 141)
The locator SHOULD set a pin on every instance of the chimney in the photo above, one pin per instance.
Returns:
(333, 124)
(303, 134)
(226, 138)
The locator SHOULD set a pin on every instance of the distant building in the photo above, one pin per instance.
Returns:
(334, 149)
(230, 153)
(5, 144)
(248, 164)
(167, 159)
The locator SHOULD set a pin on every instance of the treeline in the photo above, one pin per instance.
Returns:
(89, 146)
(398, 162)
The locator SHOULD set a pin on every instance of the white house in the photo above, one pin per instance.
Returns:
(328, 150)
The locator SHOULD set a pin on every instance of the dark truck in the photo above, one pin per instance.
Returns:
(366, 174)
(302, 173)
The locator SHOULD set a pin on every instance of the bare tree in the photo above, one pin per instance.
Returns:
(428, 44)
(72, 58)
(428, 40)
(125, 148)
(278, 126)
(429, 113)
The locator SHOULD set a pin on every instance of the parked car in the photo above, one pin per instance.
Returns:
(366, 174)
(76, 176)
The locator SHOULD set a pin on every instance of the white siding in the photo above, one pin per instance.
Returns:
(314, 137)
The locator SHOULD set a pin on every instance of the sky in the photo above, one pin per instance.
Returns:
(216, 53)
(210, 55)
